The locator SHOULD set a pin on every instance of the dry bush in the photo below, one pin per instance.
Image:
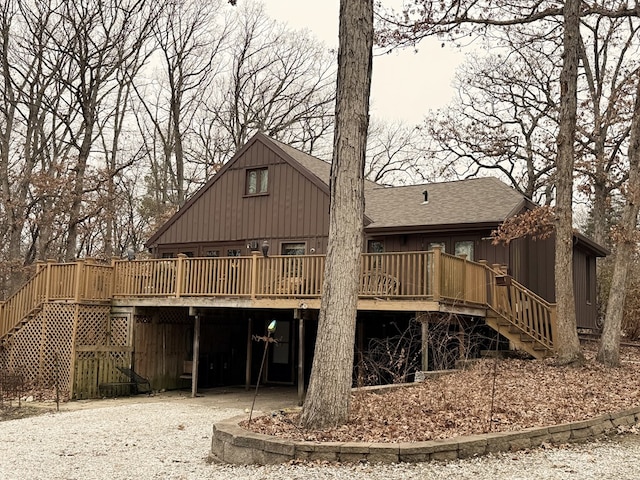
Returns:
(395, 359)
(392, 359)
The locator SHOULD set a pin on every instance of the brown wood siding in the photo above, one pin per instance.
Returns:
(294, 208)
(584, 270)
(532, 264)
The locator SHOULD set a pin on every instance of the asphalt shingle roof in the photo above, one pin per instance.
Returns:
(477, 200)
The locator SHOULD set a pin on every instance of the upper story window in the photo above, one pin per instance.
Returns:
(375, 246)
(293, 249)
(257, 181)
(465, 248)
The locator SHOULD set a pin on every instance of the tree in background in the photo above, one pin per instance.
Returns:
(627, 242)
(609, 54)
(394, 155)
(190, 41)
(460, 17)
(280, 82)
(75, 143)
(503, 121)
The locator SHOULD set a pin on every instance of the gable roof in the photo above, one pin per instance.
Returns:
(484, 200)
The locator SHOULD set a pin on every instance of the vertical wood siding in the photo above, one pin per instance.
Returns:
(294, 207)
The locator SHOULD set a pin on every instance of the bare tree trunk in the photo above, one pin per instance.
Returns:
(568, 344)
(328, 398)
(609, 351)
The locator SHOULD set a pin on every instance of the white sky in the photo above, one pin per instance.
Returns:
(405, 84)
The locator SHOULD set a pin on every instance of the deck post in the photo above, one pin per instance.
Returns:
(247, 372)
(114, 280)
(554, 325)
(464, 277)
(424, 324)
(301, 389)
(485, 264)
(179, 273)
(47, 292)
(254, 273)
(196, 356)
(496, 302)
(462, 352)
(437, 276)
(78, 280)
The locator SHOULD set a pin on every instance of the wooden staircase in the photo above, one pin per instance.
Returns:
(22, 306)
(525, 319)
(82, 280)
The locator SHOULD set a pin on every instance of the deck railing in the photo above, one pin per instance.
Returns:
(81, 280)
(400, 275)
(431, 275)
(529, 312)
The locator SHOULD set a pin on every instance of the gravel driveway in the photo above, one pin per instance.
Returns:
(170, 439)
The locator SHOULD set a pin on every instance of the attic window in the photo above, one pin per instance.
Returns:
(257, 181)
(426, 196)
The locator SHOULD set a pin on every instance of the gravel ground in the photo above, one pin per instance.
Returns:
(171, 440)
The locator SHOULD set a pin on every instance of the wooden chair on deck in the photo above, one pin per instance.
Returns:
(379, 284)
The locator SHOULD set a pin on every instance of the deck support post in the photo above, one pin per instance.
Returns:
(247, 372)
(462, 350)
(196, 356)
(301, 390)
(423, 318)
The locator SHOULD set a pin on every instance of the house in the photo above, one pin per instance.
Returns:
(272, 192)
(249, 248)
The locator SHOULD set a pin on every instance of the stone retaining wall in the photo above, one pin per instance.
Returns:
(233, 444)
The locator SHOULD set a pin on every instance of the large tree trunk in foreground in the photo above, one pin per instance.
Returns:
(567, 342)
(609, 352)
(327, 402)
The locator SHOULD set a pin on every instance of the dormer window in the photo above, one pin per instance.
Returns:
(257, 181)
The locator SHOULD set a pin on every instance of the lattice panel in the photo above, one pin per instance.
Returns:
(4, 356)
(45, 338)
(119, 330)
(92, 325)
(57, 342)
(25, 347)
(173, 315)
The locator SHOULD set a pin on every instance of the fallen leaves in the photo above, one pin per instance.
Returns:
(528, 393)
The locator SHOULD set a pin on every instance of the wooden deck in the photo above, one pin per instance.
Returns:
(408, 281)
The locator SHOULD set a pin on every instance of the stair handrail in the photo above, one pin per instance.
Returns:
(524, 308)
(28, 298)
